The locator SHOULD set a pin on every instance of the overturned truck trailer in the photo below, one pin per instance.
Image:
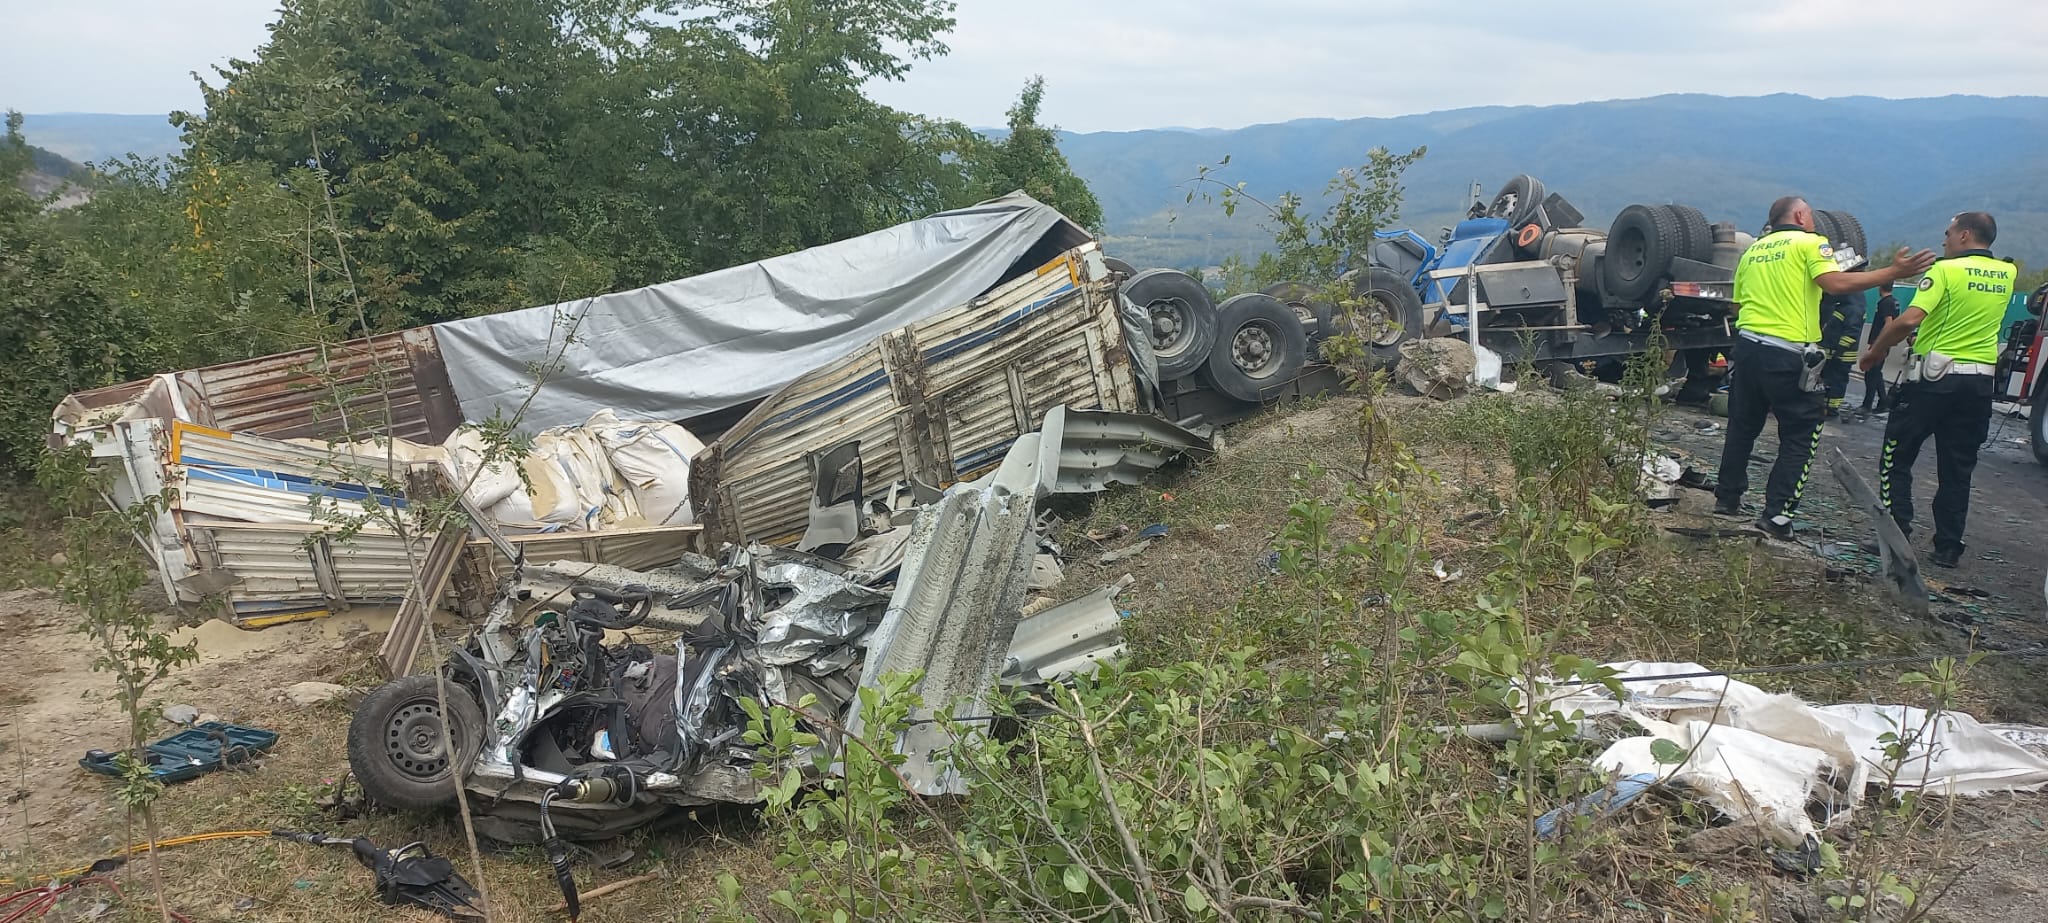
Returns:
(934, 345)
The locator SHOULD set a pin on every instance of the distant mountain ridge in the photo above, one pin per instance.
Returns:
(1902, 166)
(95, 137)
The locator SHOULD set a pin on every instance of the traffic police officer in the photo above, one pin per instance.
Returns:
(1947, 394)
(1777, 357)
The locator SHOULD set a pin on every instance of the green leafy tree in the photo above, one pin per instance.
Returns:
(761, 139)
(1029, 158)
(59, 332)
(431, 122)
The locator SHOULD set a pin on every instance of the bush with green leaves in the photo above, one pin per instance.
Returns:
(1321, 780)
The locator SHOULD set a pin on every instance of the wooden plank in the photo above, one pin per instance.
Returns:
(415, 613)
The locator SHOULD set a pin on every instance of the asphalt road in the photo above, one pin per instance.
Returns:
(2007, 544)
(1997, 590)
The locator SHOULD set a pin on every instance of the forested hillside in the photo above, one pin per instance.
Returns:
(1903, 166)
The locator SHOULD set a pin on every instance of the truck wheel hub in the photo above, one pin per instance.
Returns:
(1167, 323)
(1252, 349)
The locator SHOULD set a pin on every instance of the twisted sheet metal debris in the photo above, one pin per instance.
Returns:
(956, 605)
(1067, 640)
(1094, 449)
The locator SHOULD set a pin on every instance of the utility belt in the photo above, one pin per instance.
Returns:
(1935, 366)
(1812, 358)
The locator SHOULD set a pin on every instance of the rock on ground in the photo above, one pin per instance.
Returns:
(1438, 367)
(314, 693)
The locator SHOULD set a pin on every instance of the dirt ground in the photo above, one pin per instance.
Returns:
(57, 708)
(53, 707)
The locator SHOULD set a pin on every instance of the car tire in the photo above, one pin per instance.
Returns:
(1640, 246)
(1119, 266)
(395, 746)
(1842, 228)
(1183, 319)
(2037, 422)
(1695, 235)
(1519, 201)
(1389, 314)
(1260, 346)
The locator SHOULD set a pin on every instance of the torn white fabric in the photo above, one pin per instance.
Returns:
(1792, 767)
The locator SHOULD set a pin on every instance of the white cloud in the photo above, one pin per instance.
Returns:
(1145, 63)
(1127, 64)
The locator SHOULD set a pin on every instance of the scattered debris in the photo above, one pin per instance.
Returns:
(1067, 640)
(1046, 573)
(1779, 762)
(407, 876)
(1899, 562)
(1442, 574)
(612, 888)
(1126, 552)
(1659, 474)
(1102, 535)
(191, 753)
(181, 714)
(1603, 803)
(1486, 372)
(1710, 533)
(585, 732)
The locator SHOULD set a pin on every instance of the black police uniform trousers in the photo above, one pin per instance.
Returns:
(1764, 380)
(1956, 413)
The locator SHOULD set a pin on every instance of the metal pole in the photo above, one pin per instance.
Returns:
(1472, 309)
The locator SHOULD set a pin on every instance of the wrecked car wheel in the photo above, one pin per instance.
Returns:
(1260, 347)
(1183, 319)
(395, 744)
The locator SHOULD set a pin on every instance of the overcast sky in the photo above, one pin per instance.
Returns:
(1123, 64)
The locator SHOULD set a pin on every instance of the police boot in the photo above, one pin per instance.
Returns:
(1946, 557)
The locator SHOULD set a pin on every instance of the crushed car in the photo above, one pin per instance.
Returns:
(564, 724)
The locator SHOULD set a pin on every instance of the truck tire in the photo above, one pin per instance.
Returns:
(1316, 313)
(1389, 314)
(1640, 247)
(1695, 235)
(1260, 347)
(395, 748)
(1842, 228)
(1183, 319)
(1518, 201)
(2037, 422)
(1119, 266)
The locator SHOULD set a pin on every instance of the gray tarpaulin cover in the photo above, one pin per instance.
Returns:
(706, 343)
